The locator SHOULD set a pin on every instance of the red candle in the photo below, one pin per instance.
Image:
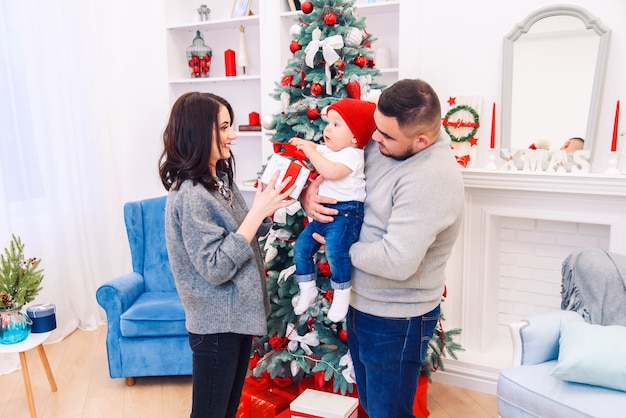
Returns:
(229, 61)
(254, 118)
(493, 126)
(615, 124)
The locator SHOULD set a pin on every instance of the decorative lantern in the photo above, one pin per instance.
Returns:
(199, 57)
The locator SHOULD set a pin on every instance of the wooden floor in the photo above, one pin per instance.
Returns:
(85, 390)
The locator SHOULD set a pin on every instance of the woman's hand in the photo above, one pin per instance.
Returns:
(313, 203)
(267, 200)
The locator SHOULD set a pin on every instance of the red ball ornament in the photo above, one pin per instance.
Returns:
(309, 322)
(313, 113)
(316, 89)
(254, 360)
(361, 61)
(276, 342)
(294, 46)
(343, 335)
(320, 381)
(330, 19)
(286, 80)
(354, 89)
(324, 268)
(306, 7)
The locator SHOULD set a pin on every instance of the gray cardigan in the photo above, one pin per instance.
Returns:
(218, 275)
(413, 214)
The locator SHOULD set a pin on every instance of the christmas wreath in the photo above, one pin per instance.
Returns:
(459, 123)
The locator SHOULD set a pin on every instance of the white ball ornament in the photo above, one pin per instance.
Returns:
(294, 31)
(324, 113)
(353, 38)
(268, 122)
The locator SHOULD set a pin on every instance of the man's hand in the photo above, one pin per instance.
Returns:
(313, 203)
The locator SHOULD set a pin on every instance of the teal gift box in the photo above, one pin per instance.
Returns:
(43, 317)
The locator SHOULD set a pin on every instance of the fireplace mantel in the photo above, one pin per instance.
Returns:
(586, 184)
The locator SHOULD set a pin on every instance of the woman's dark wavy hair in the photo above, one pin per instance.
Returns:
(191, 130)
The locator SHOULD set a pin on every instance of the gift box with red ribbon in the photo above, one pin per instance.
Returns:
(420, 408)
(287, 168)
(263, 397)
(318, 404)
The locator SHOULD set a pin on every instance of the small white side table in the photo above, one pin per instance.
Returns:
(33, 340)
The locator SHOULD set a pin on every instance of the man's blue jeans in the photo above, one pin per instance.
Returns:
(219, 367)
(339, 234)
(388, 354)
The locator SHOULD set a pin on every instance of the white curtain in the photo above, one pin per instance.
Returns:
(59, 183)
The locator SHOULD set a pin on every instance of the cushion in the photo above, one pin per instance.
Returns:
(154, 314)
(530, 391)
(592, 354)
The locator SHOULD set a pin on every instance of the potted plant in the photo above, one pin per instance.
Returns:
(20, 283)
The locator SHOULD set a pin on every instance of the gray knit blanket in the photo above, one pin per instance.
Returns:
(594, 285)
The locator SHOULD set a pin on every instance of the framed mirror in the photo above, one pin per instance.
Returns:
(553, 75)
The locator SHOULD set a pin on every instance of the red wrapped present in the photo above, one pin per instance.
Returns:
(287, 168)
(263, 397)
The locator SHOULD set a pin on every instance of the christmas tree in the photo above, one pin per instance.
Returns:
(332, 59)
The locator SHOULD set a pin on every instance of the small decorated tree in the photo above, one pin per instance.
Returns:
(20, 278)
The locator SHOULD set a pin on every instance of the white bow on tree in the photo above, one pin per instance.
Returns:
(310, 339)
(328, 46)
(348, 372)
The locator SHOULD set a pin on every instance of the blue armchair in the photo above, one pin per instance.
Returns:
(571, 363)
(146, 333)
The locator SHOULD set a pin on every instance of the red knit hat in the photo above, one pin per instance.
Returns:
(359, 116)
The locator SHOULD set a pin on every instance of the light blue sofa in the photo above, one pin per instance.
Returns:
(594, 289)
(146, 333)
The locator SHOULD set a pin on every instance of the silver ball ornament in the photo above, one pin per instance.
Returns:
(353, 38)
(268, 122)
(294, 31)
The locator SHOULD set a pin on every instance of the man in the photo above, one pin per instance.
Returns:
(413, 211)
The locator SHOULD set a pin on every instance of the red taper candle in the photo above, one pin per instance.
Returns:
(229, 62)
(493, 126)
(615, 127)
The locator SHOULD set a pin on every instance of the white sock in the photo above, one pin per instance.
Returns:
(339, 307)
(308, 292)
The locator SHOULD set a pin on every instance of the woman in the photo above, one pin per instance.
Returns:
(213, 249)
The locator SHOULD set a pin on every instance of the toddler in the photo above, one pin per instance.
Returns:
(340, 161)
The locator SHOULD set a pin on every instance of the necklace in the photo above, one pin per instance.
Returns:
(225, 191)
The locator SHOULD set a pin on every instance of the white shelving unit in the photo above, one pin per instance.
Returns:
(243, 91)
(267, 46)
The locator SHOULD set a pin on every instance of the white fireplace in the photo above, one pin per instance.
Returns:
(518, 228)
